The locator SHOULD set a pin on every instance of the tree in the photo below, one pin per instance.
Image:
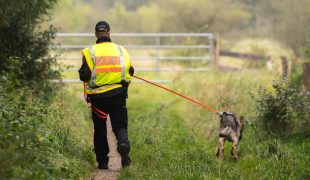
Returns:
(287, 21)
(210, 16)
(22, 37)
(75, 20)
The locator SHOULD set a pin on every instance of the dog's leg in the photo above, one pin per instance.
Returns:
(220, 148)
(234, 149)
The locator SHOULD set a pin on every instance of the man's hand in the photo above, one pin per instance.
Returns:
(131, 71)
(124, 83)
(84, 71)
(88, 100)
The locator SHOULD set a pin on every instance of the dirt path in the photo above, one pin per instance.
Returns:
(114, 160)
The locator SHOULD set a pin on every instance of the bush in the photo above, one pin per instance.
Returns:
(22, 37)
(296, 76)
(306, 50)
(38, 140)
(284, 110)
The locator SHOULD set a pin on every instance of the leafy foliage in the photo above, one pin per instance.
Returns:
(286, 21)
(296, 76)
(283, 20)
(37, 139)
(22, 37)
(284, 111)
(306, 49)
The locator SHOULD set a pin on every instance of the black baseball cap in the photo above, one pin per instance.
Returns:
(102, 26)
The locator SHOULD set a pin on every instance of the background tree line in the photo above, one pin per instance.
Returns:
(286, 21)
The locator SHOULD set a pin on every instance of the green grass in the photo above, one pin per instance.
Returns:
(174, 139)
(171, 137)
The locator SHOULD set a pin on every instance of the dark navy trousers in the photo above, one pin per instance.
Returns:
(115, 106)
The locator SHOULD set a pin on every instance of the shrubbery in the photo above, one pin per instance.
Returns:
(42, 134)
(22, 37)
(38, 139)
(284, 110)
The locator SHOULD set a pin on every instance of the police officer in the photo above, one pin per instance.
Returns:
(106, 70)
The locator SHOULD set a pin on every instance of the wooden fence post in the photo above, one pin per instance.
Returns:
(284, 66)
(216, 51)
(306, 75)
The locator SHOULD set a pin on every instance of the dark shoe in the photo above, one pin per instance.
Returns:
(126, 160)
(124, 154)
(103, 166)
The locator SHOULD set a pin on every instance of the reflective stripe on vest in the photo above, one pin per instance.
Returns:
(121, 61)
(93, 74)
(102, 88)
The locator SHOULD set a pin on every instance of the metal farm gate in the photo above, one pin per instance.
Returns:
(148, 51)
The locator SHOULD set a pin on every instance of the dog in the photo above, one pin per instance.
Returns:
(231, 128)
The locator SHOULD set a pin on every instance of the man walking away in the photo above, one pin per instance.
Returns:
(106, 70)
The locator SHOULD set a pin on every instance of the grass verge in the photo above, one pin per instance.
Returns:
(174, 139)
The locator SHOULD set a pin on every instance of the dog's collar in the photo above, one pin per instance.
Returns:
(225, 113)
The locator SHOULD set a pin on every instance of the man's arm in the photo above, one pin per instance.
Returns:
(84, 71)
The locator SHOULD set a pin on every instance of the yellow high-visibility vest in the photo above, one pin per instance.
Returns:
(109, 64)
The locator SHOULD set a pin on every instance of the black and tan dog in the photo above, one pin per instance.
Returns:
(231, 128)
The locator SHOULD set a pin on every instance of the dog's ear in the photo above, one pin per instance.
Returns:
(223, 114)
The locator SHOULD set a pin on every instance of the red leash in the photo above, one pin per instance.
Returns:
(97, 111)
(103, 115)
(183, 96)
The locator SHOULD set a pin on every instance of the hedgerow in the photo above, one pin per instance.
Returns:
(22, 36)
(38, 140)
